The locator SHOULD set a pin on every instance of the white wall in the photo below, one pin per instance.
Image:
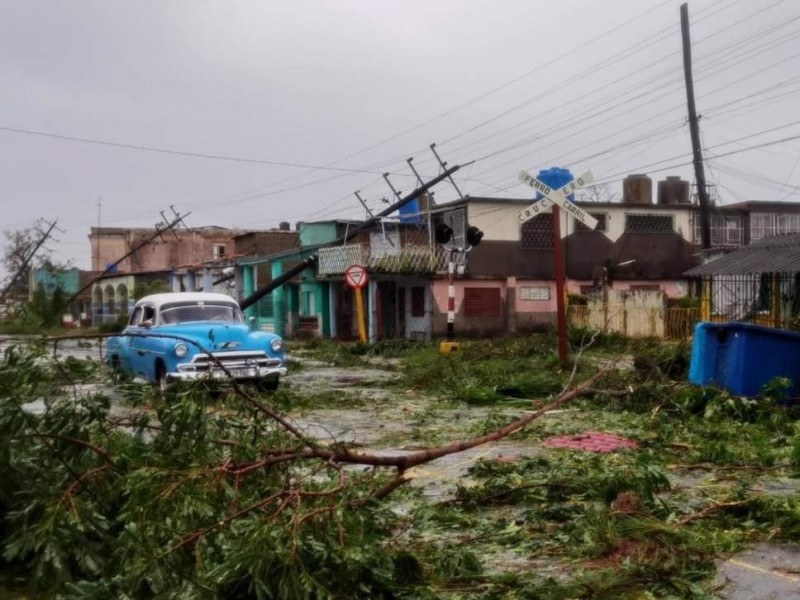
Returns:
(499, 220)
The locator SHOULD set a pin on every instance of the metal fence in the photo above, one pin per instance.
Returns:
(771, 299)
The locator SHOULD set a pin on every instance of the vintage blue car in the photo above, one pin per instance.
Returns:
(188, 336)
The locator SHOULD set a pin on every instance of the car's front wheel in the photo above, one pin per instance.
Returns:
(268, 385)
(161, 377)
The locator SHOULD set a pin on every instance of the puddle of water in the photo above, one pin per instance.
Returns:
(780, 486)
(332, 377)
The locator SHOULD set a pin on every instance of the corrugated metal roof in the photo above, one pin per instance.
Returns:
(775, 254)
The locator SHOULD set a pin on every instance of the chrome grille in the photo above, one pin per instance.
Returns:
(230, 360)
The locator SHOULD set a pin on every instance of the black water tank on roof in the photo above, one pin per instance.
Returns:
(673, 190)
(637, 189)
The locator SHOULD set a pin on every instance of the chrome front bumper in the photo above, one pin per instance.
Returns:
(240, 366)
(236, 374)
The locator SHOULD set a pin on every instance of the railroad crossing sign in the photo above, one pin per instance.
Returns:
(559, 197)
(356, 276)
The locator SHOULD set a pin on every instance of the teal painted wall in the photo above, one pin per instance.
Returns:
(324, 307)
(279, 301)
(272, 311)
(317, 233)
(68, 280)
(248, 283)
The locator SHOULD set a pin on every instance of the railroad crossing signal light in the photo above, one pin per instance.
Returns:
(474, 235)
(443, 233)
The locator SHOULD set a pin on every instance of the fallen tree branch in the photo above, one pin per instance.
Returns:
(402, 463)
(102, 453)
(702, 514)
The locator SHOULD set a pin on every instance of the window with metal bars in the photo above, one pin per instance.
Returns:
(639, 223)
(537, 233)
(768, 224)
(726, 230)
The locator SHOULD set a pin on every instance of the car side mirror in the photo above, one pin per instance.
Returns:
(252, 321)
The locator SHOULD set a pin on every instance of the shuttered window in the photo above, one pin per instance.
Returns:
(482, 302)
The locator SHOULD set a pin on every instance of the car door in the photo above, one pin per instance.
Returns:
(143, 347)
(127, 354)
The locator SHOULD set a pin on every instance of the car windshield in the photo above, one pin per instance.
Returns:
(183, 313)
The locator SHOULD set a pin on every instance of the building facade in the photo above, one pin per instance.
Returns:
(736, 225)
(166, 250)
(506, 283)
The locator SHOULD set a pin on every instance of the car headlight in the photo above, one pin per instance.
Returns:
(276, 345)
(180, 350)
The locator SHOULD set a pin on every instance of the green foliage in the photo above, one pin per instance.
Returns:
(684, 302)
(81, 498)
(48, 309)
(39, 315)
(126, 492)
(579, 337)
(114, 326)
(145, 288)
(21, 320)
(487, 372)
(662, 360)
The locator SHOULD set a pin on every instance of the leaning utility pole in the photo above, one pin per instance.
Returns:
(312, 259)
(694, 129)
(26, 262)
(159, 230)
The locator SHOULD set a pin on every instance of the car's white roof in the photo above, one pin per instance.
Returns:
(170, 298)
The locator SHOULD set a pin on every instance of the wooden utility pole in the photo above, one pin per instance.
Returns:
(312, 259)
(159, 230)
(26, 261)
(694, 129)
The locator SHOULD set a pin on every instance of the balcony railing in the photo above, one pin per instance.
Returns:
(406, 260)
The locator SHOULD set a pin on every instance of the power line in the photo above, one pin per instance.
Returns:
(84, 140)
(614, 99)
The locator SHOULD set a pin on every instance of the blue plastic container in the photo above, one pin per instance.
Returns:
(409, 213)
(556, 178)
(742, 358)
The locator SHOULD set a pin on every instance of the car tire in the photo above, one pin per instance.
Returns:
(268, 385)
(161, 377)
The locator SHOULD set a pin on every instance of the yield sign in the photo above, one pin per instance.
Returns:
(356, 276)
(559, 197)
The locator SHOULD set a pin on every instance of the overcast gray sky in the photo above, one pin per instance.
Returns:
(315, 99)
